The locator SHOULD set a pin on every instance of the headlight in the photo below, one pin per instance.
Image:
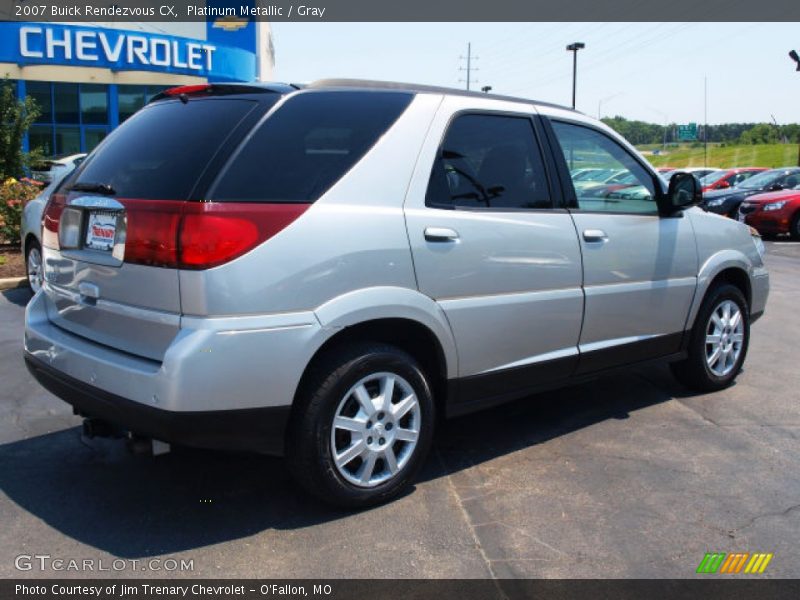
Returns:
(717, 202)
(756, 237)
(774, 206)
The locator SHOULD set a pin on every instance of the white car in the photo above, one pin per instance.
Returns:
(55, 168)
(31, 229)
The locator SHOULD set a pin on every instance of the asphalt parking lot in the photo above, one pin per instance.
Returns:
(625, 476)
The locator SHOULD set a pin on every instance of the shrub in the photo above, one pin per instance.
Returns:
(14, 195)
(15, 118)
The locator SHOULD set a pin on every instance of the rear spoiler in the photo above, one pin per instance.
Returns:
(224, 89)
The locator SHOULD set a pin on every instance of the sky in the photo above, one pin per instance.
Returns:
(648, 71)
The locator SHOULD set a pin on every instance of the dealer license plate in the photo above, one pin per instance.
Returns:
(101, 230)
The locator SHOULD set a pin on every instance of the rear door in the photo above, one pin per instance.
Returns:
(493, 247)
(639, 269)
(109, 238)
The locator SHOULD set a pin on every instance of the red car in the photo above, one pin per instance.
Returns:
(726, 178)
(773, 212)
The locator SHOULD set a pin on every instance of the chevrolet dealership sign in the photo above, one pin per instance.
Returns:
(119, 50)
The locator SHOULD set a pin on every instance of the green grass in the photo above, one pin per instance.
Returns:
(758, 155)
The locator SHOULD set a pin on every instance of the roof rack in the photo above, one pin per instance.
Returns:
(417, 88)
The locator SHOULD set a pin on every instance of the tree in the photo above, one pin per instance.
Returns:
(15, 118)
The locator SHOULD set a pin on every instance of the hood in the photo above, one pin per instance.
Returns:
(774, 196)
(727, 193)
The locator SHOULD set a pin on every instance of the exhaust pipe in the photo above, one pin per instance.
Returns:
(93, 428)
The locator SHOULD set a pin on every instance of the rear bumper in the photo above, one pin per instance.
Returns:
(255, 429)
(223, 383)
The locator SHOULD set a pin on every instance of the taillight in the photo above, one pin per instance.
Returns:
(198, 235)
(51, 220)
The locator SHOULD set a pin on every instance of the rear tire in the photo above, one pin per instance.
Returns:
(350, 446)
(34, 269)
(718, 341)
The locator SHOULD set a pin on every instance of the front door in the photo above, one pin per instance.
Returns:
(639, 269)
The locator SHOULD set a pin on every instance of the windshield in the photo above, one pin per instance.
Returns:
(756, 182)
(713, 177)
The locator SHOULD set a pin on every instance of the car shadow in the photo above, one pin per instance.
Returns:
(19, 296)
(135, 506)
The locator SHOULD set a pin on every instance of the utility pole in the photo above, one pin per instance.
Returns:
(574, 47)
(469, 68)
(705, 121)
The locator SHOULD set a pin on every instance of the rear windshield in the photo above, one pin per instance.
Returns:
(308, 144)
(160, 152)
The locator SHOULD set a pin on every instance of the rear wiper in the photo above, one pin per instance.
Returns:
(99, 188)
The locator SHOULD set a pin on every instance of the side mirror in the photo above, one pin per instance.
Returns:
(776, 187)
(684, 191)
(723, 185)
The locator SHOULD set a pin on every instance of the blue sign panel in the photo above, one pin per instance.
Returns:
(119, 50)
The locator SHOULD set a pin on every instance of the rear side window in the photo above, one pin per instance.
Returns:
(489, 161)
(307, 145)
(160, 152)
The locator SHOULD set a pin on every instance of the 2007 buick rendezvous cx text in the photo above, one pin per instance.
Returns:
(324, 272)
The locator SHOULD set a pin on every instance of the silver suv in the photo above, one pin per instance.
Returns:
(322, 273)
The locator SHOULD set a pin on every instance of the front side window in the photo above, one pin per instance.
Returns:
(489, 161)
(619, 184)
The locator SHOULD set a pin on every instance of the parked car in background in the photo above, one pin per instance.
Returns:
(728, 178)
(55, 168)
(701, 172)
(31, 229)
(726, 202)
(237, 268)
(773, 213)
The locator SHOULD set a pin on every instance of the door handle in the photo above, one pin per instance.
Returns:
(440, 234)
(595, 235)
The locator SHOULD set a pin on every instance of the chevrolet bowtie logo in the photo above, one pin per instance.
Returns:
(230, 23)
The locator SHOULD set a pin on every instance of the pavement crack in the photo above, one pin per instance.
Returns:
(697, 412)
(782, 513)
(473, 532)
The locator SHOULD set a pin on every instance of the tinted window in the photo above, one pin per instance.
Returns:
(40, 92)
(301, 150)
(489, 161)
(160, 152)
(94, 103)
(625, 185)
(66, 102)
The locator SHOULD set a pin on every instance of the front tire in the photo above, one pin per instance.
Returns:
(718, 341)
(362, 425)
(794, 230)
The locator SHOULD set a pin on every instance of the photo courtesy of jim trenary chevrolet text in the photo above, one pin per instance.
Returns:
(353, 298)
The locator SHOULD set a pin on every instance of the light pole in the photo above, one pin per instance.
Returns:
(796, 58)
(574, 47)
(603, 101)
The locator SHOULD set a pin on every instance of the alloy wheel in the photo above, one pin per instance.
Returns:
(375, 429)
(34, 264)
(724, 338)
